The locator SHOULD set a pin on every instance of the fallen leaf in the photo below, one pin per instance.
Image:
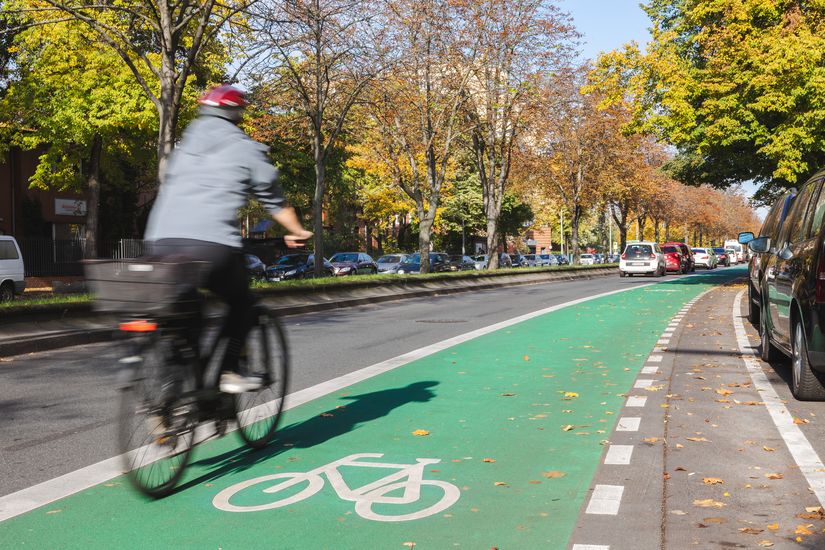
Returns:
(765, 543)
(697, 439)
(812, 513)
(650, 439)
(680, 469)
(813, 509)
(804, 530)
(507, 394)
(712, 481)
(553, 474)
(421, 432)
(570, 394)
(500, 484)
(769, 449)
(526, 357)
(773, 527)
(680, 446)
(801, 421)
(750, 530)
(489, 460)
(54, 511)
(327, 415)
(774, 476)
(666, 476)
(409, 544)
(708, 503)
(715, 520)
(567, 428)
(678, 513)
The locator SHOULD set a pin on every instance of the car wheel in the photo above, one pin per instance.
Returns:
(622, 274)
(806, 384)
(6, 292)
(767, 351)
(753, 308)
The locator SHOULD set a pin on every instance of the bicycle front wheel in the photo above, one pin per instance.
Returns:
(258, 412)
(156, 428)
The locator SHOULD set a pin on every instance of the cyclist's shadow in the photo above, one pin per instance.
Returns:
(318, 429)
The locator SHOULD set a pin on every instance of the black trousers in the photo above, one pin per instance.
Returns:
(227, 277)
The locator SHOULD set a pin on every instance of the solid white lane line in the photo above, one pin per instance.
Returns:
(636, 401)
(605, 500)
(618, 454)
(650, 370)
(641, 384)
(800, 448)
(654, 359)
(590, 547)
(628, 424)
(41, 494)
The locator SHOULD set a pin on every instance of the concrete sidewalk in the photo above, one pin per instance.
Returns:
(76, 325)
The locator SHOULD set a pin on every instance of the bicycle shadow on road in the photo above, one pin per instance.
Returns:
(319, 429)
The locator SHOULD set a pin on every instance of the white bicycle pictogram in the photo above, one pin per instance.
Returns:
(409, 477)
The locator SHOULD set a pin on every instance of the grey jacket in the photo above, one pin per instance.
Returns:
(211, 174)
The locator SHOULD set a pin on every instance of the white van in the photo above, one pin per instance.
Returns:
(12, 279)
(740, 250)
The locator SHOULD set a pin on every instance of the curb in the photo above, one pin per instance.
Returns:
(318, 300)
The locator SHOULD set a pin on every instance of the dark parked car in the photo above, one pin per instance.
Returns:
(353, 263)
(296, 266)
(724, 258)
(389, 263)
(412, 264)
(257, 269)
(793, 291)
(460, 262)
(770, 228)
(562, 259)
(517, 260)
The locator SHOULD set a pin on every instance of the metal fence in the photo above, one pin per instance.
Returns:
(55, 257)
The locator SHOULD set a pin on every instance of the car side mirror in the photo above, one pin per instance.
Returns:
(786, 253)
(745, 238)
(761, 244)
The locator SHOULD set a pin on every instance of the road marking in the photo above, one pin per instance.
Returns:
(650, 370)
(663, 342)
(800, 448)
(636, 401)
(641, 384)
(590, 547)
(654, 359)
(628, 424)
(605, 500)
(68, 484)
(618, 454)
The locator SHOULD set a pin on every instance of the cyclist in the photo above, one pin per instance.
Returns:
(212, 173)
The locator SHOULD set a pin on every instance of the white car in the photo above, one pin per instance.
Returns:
(546, 259)
(705, 257)
(734, 257)
(642, 258)
(740, 250)
(12, 273)
(587, 259)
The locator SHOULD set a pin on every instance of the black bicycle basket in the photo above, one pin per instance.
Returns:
(144, 286)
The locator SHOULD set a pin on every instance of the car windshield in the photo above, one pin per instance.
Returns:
(412, 259)
(481, 258)
(669, 249)
(719, 250)
(700, 250)
(344, 258)
(389, 259)
(291, 259)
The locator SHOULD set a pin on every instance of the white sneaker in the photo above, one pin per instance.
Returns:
(232, 382)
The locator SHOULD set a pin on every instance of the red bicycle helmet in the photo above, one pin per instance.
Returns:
(224, 96)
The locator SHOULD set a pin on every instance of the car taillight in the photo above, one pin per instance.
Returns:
(624, 256)
(653, 256)
(820, 279)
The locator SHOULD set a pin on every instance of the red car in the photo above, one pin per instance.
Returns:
(686, 252)
(674, 259)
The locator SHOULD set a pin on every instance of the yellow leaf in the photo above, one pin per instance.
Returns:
(774, 476)
(697, 439)
(712, 481)
(803, 530)
(570, 394)
(567, 428)
(769, 449)
(553, 474)
(715, 520)
(773, 527)
(708, 503)
(650, 439)
(489, 460)
(421, 432)
(765, 543)
(800, 421)
(723, 391)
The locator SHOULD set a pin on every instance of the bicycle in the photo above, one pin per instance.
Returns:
(169, 386)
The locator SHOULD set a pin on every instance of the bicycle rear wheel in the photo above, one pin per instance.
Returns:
(258, 412)
(156, 428)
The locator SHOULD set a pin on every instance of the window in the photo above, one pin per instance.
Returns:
(819, 214)
(796, 225)
(8, 251)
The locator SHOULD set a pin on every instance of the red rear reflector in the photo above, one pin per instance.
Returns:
(624, 256)
(653, 256)
(138, 326)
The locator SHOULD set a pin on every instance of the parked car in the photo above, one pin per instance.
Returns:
(732, 255)
(587, 259)
(503, 261)
(793, 291)
(461, 262)
(739, 248)
(353, 263)
(563, 260)
(704, 257)
(388, 263)
(412, 264)
(12, 271)
(770, 228)
(517, 260)
(256, 268)
(546, 260)
(674, 259)
(296, 266)
(642, 258)
(686, 252)
(723, 256)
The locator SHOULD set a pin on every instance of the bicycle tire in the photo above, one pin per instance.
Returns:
(258, 412)
(155, 438)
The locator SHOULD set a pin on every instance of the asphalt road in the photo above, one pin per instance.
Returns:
(58, 408)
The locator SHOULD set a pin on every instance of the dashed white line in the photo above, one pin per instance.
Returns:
(628, 424)
(650, 370)
(654, 359)
(643, 384)
(636, 401)
(618, 454)
(605, 500)
(590, 547)
(663, 342)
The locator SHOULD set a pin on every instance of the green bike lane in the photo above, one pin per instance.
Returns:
(513, 424)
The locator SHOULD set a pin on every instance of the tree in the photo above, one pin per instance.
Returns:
(319, 55)
(160, 42)
(518, 42)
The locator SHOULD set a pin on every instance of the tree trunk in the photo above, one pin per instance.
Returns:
(93, 208)
(574, 232)
(492, 243)
(425, 227)
(667, 231)
(318, 209)
(168, 121)
(656, 230)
